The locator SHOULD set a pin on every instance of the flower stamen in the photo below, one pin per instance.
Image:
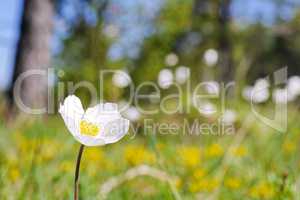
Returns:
(87, 128)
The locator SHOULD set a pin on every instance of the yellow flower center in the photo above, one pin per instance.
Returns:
(87, 128)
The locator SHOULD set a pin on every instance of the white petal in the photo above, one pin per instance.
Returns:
(72, 112)
(72, 107)
(89, 140)
(132, 113)
(115, 130)
(105, 107)
(109, 107)
(72, 125)
(102, 113)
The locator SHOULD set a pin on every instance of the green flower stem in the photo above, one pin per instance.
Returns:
(77, 172)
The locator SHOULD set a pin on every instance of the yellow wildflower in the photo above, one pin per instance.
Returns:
(289, 147)
(199, 173)
(240, 151)
(190, 156)
(49, 150)
(14, 174)
(26, 145)
(66, 166)
(93, 154)
(136, 154)
(262, 190)
(204, 185)
(160, 146)
(178, 183)
(232, 183)
(194, 186)
(214, 150)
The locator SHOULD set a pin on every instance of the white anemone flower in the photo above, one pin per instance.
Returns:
(121, 79)
(112, 31)
(165, 78)
(182, 74)
(207, 109)
(98, 125)
(171, 59)
(282, 96)
(261, 83)
(229, 117)
(132, 113)
(246, 92)
(259, 93)
(293, 86)
(212, 87)
(210, 57)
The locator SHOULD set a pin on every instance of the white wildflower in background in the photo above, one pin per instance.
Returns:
(259, 93)
(212, 87)
(261, 83)
(211, 57)
(132, 113)
(111, 31)
(171, 59)
(165, 78)
(293, 87)
(207, 109)
(290, 93)
(182, 74)
(229, 116)
(260, 96)
(98, 125)
(129, 112)
(246, 92)
(121, 80)
(281, 96)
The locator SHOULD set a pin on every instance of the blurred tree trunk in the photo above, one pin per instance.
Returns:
(225, 62)
(33, 53)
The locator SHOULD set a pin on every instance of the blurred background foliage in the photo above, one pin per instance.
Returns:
(137, 37)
